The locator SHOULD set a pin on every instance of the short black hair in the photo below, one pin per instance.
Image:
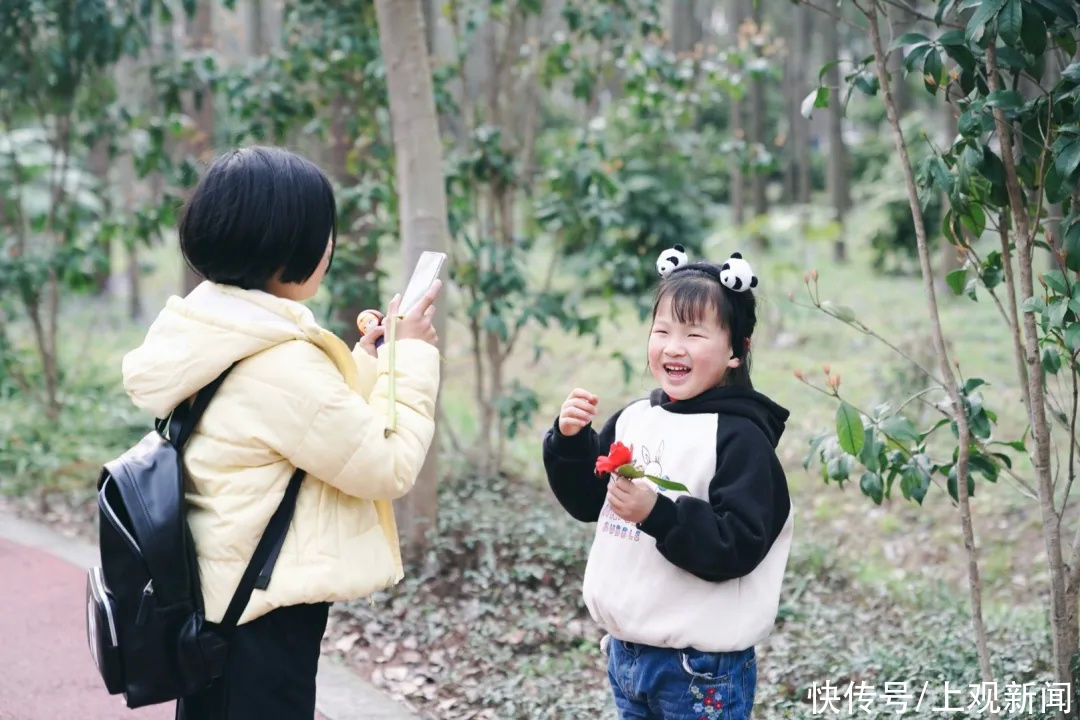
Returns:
(695, 287)
(258, 211)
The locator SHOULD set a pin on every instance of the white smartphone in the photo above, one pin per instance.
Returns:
(427, 269)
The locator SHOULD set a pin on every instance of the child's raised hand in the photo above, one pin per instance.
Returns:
(577, 412)
(629, 500)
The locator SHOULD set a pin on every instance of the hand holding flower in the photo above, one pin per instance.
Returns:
(630, 501)
(620, 462)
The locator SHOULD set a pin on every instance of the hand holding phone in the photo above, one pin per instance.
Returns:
(413, 306)
(417, 322)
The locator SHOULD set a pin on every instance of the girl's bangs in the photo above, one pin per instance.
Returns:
(691, 297)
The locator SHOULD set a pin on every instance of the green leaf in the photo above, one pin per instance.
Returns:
(900, 429)
(1010, 20)
(825, 68)
(932, 72)
(1010, 58)
(868, 84)
(1051, 361)
(952, 38)
(944, 6)
(815, 445)
(869, 455)
(914, 482)
(1072, 336)
(956, 280)
(1066, 42)
(1033, 33)
(1056, 190)
(1067, 156)
(915, 58)
(629, 470)
(980, 424)
(952, 484)
(984, 465)
(817, 98)
(870, 484)
(1017, 445)
(975, 219)
(667, 484)
(973, 383)
(1056, 312)
(1060, 8)
(911, 38)
(977, 24)
(1033, 304)
(1055, 280)
(849, 429)
(1005, 99)
(1072, 73)
(1071, 246)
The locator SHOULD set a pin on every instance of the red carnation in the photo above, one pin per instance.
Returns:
(618, 455)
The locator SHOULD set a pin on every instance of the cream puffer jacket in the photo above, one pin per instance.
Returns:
(297, 398)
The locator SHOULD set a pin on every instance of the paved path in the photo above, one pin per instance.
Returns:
(46, 672)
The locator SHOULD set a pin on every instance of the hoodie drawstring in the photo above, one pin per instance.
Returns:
(391, 420)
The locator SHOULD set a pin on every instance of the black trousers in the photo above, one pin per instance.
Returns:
(270, 671)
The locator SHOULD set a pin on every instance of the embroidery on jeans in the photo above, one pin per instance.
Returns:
(708, 704)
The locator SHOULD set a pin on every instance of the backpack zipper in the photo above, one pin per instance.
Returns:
(144, 604)
(114, 520)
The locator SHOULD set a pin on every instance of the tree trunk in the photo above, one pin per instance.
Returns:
(421, 198)
(684, 25)
(99, 163)
(837, 160)
(901, 21)
(431, 19)
(738, 196)
(795, 89)
(758, 180)
(801, 130)
(256, 27)
(199, 106)
(1062, 618)
(945, 365)
(355, 257)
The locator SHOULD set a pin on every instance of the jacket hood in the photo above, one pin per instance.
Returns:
(195, 338)
(738, 401)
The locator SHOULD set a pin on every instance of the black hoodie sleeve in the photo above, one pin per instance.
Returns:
(748, 505)
(570, 463)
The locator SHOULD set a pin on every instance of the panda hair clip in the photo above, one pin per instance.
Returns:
(735, 274)
(670, 259)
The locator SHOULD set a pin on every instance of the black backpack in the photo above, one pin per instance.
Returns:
(144, 608)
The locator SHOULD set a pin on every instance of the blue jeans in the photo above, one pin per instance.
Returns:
(652, 683)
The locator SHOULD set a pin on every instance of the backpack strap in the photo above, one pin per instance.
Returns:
(180, 424)
(184, 418)
(257, 573)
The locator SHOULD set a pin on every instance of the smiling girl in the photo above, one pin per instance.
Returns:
(684, 582)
